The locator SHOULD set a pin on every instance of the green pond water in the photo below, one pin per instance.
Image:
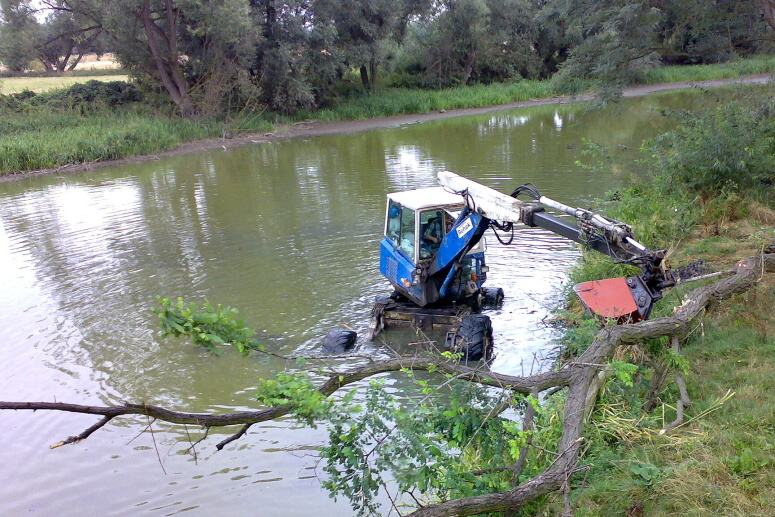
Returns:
(289, 233)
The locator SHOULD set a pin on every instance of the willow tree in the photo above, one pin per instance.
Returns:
(194, 49)
(618, 39)
(65, 37)
(365, 29)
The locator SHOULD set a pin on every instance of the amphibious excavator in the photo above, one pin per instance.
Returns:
(433, 255)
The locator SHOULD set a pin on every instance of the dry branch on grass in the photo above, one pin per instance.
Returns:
(581, 377)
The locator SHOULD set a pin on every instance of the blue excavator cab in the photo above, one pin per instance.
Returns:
(433, 249)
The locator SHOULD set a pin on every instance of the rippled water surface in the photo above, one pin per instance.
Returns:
(286, 231)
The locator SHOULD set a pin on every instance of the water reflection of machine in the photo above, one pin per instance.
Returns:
(433, 254)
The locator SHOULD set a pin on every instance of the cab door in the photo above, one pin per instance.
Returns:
(397, 255)
(400, 229)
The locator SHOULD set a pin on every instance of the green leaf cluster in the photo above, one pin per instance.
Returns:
(450, 443)
(295, 390)
(206, 324)
(646, 473)
(623, 372)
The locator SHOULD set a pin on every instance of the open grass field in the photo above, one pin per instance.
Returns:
(10, 85)
(92, 62)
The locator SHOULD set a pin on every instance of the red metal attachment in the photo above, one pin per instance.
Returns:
(610, 298)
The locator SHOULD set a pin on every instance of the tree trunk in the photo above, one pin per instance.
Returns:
(186, 104)
(167, 63)
(75, 62)
(62, 63)
(768, 9)
(468, 68)
(373, 72)
(45, 63)
(271, 20)
(365, 78)
(83, 47)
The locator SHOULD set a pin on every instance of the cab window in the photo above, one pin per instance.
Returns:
(400, 228)
(431, 231)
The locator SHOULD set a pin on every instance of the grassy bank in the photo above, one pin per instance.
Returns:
(95, 121)
(730, 70)
(41, 140)
(51, 139)
(721, 461)
(398, 101)
(40, 135)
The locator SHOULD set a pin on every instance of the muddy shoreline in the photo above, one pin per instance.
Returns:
(318, 128)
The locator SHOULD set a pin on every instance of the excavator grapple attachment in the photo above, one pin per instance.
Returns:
(622, 299)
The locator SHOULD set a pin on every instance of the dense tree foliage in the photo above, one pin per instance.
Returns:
(18, 34)
(299, 54)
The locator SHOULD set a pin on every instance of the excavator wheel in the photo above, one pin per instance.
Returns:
(492, 297)
(339, 341)
(473, 337)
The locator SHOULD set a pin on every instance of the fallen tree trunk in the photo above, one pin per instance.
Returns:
(579, 376)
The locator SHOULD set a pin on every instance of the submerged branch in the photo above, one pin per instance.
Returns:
(334, 382)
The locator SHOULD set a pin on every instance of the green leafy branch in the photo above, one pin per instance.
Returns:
(298, 391)
(206, 324)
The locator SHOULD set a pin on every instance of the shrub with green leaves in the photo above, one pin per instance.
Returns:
(449, 444)
(91, 95)
(298, 391)
(730, 148)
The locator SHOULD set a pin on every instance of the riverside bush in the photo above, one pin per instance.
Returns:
(705, 170)
(731, 148)
(91, 95)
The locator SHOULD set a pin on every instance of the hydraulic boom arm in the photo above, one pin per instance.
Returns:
(600, 233)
